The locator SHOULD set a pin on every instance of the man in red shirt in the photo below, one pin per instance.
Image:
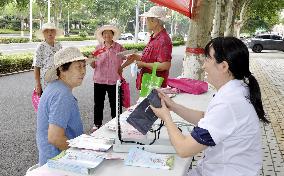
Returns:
(159, 48)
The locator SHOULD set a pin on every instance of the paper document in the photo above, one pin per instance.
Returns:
(90, 142)
(126, 52)
(76, 161)
(141, 158)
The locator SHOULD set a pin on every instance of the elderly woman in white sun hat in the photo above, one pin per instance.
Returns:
(58, 117)
(44, 54)
(159, 48)
(107, 70)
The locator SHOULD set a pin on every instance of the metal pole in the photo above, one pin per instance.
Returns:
(68, 23)
(31, 20)
(137, 21)
(48, 11)
(172, 23)
(175, 14)
(144, 20)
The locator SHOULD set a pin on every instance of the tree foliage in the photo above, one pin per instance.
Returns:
(89, 14)
(4, 3)
(22, 5)
(262, 14)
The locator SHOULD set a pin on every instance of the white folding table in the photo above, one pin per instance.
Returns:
(117, 167)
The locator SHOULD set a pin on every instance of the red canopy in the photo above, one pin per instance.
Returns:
(182, 6)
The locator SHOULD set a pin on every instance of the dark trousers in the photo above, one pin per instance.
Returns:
(99, 99)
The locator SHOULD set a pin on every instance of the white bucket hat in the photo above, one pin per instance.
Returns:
(39, 33)
(99, 32)
(64, 56)
(156, 12)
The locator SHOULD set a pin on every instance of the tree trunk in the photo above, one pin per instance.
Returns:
(172, 24)
(22, 26)
(59, 12)
(198, 36)
(229, 31)
(41, 19)
(237, 30)
(56, 4)
(217, 20)
(223, 18)
(239, 23)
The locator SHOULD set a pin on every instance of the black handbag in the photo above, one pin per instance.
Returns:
(142, 118)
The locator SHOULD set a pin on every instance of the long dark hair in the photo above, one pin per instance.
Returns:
(236, 54)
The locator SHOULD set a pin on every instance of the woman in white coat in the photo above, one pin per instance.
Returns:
(228, 131)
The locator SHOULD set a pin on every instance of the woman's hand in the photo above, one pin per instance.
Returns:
(130, 60)
(120, 70)
(93, 64)
(140, 64)
(163, 113)
(168, 101)
(136, 57)
(38, 90)
(90, 56)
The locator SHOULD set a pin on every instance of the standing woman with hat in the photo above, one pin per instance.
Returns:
(107, 70)
(44, 54)
(58, 117)
(158, 49)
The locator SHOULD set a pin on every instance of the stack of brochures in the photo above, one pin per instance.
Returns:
(90, 142)
(83, 162)
(141, 158)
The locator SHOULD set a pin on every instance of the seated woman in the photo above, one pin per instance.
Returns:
(58, 117)
(228, 131)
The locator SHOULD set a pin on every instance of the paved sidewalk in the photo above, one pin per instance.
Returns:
(270, 75)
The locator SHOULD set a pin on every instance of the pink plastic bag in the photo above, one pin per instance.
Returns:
(125, 93)
(35, 100)
(187, 85)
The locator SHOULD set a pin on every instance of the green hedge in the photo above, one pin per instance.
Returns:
(178, 43)
(25, 40)
(177, 37)
(71, 38)
(15, 62)
(140, 46)
(19, 62)
(10, 31)
(13, 40)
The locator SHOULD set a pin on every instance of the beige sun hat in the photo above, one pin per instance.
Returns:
(156, 12)
(39, 33)
(99, 32)
(64, 56)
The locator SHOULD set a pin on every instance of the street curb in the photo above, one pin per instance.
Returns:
(13, 73)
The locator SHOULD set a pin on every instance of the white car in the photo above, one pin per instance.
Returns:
(144, 36)
(126, 36)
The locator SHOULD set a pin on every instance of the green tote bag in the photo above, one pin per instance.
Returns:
(150, 81)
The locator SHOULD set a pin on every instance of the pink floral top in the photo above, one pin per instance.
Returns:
(107, 64)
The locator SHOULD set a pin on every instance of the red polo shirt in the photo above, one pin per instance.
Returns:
(159, 49)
